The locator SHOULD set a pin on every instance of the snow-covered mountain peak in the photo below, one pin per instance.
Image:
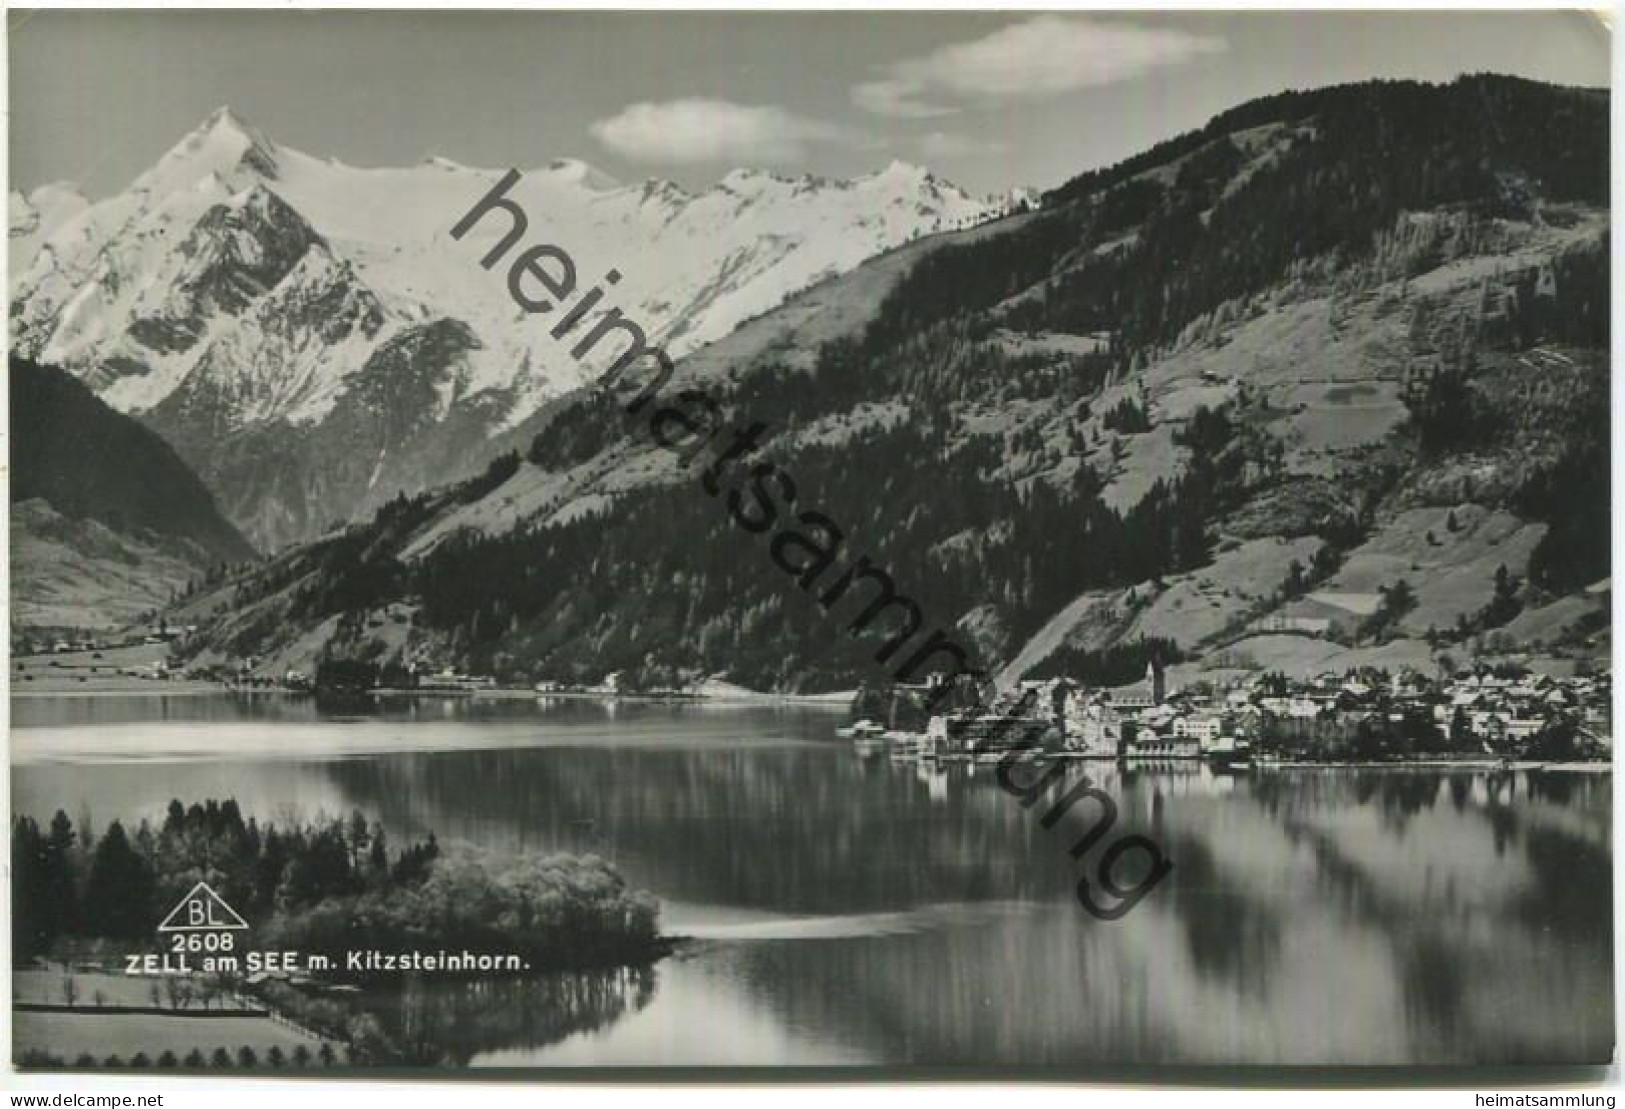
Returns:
(900, 172)
(751, 181)
(239, 283)
(50, 203)
(736, 179)
(1023, 196)
(34, 218)
(225, 125)
(660, 190)
(58, 194)
(223, 145)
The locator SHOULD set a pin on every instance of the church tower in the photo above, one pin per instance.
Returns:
(1155, 680)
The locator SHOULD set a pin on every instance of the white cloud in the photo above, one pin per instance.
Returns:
(1042, 56)
(699, 129)
(948, 144)
(897, 98)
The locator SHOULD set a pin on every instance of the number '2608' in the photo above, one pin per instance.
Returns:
(187, 942)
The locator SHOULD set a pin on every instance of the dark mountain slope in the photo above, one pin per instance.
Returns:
(107, 522)
(1188, 402)
(90, 462)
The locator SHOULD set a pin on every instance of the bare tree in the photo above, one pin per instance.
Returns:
(224, 984)
(176, 990)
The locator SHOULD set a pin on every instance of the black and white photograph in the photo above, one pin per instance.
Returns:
(1020, 544)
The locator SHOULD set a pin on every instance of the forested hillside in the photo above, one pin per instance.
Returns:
(1326, 379)
(106, 518)
(70, 449)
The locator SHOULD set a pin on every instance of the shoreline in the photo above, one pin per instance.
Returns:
(1579, 767)
(177, 689)
(737, 697)
(744, 698)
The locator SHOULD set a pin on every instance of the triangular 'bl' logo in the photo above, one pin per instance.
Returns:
(201, 910)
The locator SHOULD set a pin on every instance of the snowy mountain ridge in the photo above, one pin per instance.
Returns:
(239, 285)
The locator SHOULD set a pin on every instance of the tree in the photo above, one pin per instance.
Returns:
(1399, 597)
(379, 856)
(119, 893)
(358, 838)
(58, 856)
(177, 990)
(222, 983)
(366, 1036)
(1461, 732)
(269, 869)
(1503, 604)
(1557, 741)
(1396, 600)
(70, 990)
(33, 913)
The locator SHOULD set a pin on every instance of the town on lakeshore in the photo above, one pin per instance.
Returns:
(1500, 713)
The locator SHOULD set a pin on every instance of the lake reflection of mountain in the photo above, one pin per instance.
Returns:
(858, 911)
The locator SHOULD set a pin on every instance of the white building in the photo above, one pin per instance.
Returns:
(1202, 727)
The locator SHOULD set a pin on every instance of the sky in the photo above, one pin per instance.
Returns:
(988, 100)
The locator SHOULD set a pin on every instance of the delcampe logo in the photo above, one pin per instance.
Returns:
(202, 910)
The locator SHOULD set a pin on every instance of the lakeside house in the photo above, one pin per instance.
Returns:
(451, 681)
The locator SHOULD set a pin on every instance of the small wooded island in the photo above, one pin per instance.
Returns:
(361, 914)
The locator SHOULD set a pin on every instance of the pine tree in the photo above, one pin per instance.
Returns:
(60, 885)
(119, 892)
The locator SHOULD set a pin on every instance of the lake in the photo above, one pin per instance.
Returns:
(846, 910)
